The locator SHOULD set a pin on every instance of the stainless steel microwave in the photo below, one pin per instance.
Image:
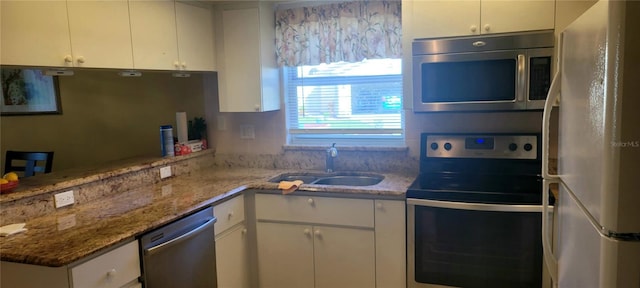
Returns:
(498, 72)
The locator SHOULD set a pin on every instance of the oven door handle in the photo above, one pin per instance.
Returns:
(476, 206)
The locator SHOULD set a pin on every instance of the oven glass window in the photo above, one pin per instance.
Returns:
(486, 80)
(466, 248)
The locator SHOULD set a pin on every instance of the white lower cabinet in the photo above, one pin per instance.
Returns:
(344, 257)
(232, 244)
(285, 255)
(294, 255)
(232, 258)
(326, 242)
(391, 249)
(119, 267)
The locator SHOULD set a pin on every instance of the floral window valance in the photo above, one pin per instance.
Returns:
(345, 31)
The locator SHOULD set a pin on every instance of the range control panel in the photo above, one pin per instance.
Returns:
(482, 146)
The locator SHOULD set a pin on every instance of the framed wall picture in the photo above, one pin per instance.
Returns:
(28, 91)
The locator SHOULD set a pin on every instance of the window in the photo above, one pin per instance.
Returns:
(349, 103)
(355, 99)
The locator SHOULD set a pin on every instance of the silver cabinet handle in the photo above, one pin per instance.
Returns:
(475, 206)
(181, 238)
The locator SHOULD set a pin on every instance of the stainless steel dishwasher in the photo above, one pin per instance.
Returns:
(181, 254)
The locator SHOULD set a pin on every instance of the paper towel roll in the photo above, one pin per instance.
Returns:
(181, 125)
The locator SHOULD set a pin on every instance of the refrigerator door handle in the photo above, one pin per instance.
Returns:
(552, 97)
(554, 90)
(550, 259)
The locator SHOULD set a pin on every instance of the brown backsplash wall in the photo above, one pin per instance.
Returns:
(105, 117)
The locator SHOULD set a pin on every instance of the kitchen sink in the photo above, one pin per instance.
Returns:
(340, 178)
(349, 180)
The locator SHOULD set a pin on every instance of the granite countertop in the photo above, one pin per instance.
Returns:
(70, 234)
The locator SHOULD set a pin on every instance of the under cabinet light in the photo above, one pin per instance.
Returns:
(58, 72)
(181, 75)
(130, 73)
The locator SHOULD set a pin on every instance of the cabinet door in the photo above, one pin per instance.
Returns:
(229, 213)
(317, 210)
(240, 77)
(100, 34)
(499, 16)
(34, 33)
(110, 270)
(232, 263)
(344, 257)
(195, 37)
(390, 243)
(445, 18)
(285, 256)
(153, 34)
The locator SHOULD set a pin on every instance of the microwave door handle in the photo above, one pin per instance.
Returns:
(522, 78)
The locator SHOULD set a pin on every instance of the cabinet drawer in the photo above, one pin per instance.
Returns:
(318, 210)
(229, 213)
(112, 269)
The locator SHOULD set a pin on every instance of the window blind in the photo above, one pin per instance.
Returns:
(356, 103)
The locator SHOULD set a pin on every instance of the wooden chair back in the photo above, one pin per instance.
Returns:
(28, 162)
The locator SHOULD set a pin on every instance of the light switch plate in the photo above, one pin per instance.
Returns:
(165, 172)
(64, 199)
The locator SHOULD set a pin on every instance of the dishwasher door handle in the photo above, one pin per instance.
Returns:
(181, 238)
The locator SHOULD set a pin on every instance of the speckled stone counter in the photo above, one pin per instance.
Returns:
(72, 233)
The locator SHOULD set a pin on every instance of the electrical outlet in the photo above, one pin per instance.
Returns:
(165, 172)
(247, 132)
(64, 199)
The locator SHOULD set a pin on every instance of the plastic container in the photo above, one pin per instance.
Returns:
(166, 141)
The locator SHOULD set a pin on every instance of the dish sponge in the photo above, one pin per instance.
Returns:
(289, 186)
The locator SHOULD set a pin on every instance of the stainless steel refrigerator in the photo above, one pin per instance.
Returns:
(598, 210)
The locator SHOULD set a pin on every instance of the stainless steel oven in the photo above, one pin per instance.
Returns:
(474, 212)
(482, 73)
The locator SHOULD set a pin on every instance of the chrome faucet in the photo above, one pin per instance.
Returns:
(332, 152)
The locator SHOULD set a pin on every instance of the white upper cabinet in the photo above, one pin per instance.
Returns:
(517, 15)
(153, 34)
(172, 36)
(34, 33)
(248, 75)
(100, 34)
(195, 37)
(120, 34)
(445, 18)
(461, 18)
